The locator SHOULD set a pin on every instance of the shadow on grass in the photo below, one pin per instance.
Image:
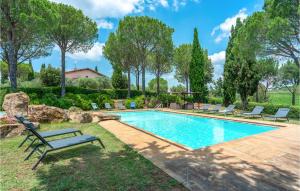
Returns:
(212, 170)
(92, 168)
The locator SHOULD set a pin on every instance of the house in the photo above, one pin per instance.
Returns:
(83, 73)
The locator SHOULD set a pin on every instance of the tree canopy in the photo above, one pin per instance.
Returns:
(163, 86)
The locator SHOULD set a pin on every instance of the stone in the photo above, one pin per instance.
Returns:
(174, 106)
(16, 103)
(81, 117)
(11, 130)
(44, 113)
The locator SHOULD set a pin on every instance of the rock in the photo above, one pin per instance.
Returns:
(84, 117)
(100, 116)
(16, 103)
(174, 106)
(44, 113)
(11, 130)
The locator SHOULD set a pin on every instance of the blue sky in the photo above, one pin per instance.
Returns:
(213, 18)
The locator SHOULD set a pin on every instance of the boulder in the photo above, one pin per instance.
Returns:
(11, 130)
(81, 117)
(16, 103)
(44, 113)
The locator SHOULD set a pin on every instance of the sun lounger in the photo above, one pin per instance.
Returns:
(132, 105)
(120, 105)
(94, 106)
(257, 111)
(227, 110)
(58, 144)
(204, 107)
(215, 109)
(107, 106)
(44, 134)
(282, 113)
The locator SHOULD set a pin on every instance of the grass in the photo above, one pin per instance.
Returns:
(88, 167)
(282, 97)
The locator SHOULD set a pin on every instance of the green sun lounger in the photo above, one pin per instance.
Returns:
(45, 134)
(94, 106)
(229, 109)
(204, 107)
(107, 106)
(58, 144)
(257, 111)
(215, 109)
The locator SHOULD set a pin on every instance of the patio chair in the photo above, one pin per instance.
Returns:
(257, 111)
(107, 106)
(281, 113)
(132, 105)
(44, 134)
(227, 110)
(204, 107)
(120, 105)
(94, 106)
(215, 109)
(58, 144)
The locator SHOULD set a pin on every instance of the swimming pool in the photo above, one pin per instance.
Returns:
(191, 131)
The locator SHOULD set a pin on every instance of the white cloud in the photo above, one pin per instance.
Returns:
(218, 60)
(164, 3)
(94, 54)
(106, 8)
(223, 30)
(104, 24)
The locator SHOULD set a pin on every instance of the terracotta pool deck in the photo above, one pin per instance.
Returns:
(268, 161)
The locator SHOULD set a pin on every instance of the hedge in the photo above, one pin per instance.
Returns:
(272, 108)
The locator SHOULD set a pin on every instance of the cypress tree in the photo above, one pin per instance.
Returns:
(230, 71)
(118, 80)
(96, 68)
(197, 77)
(31, 73)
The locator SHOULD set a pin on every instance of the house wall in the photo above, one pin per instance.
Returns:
(81, 74)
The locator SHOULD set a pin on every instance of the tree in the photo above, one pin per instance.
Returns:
(268, 71)
(50, 76)
(21, 38)
(245, 52)
(160, 60)
(178, 88)
(208, 68)
(74, 32)
(119, 81)
(289, 78)
(282, 29)
(141, 32)
(230, 70)
(197, 76)
(31, 74)
(96, 68)
(163, 86)
(218, 88)
(182, 60)
(119, 51)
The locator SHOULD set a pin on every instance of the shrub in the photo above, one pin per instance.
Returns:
(215, 100)
(139, 102)
(102, 99)
(50, 76)
(272, 108)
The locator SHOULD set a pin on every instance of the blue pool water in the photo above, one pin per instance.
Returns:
(191, 131)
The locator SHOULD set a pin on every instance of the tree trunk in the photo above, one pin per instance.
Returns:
(12, 61)
(63, 68)
(187, 85)
(256, 94)
(293, 97)
(296, 60)
(244, 102)
(143, 80)
(137, 80)
(157, 85)
(128, 76)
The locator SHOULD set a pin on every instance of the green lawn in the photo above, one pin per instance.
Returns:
(282, 97)
(87, 167)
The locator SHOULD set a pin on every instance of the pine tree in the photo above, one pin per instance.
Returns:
(197, 76)
(31, 73)
(43, 67)
(230, 71)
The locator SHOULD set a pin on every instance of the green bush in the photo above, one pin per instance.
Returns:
(139, 102)
(102, 99)
(272, 108)
(215, 100)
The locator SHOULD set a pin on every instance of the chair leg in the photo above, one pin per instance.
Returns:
(33, 150)
(40, 159)
(80, 132)
(22, 143)
(30, 145)
(99, 140)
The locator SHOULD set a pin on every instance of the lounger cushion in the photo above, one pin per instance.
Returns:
(72, 141)
(58, 132)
